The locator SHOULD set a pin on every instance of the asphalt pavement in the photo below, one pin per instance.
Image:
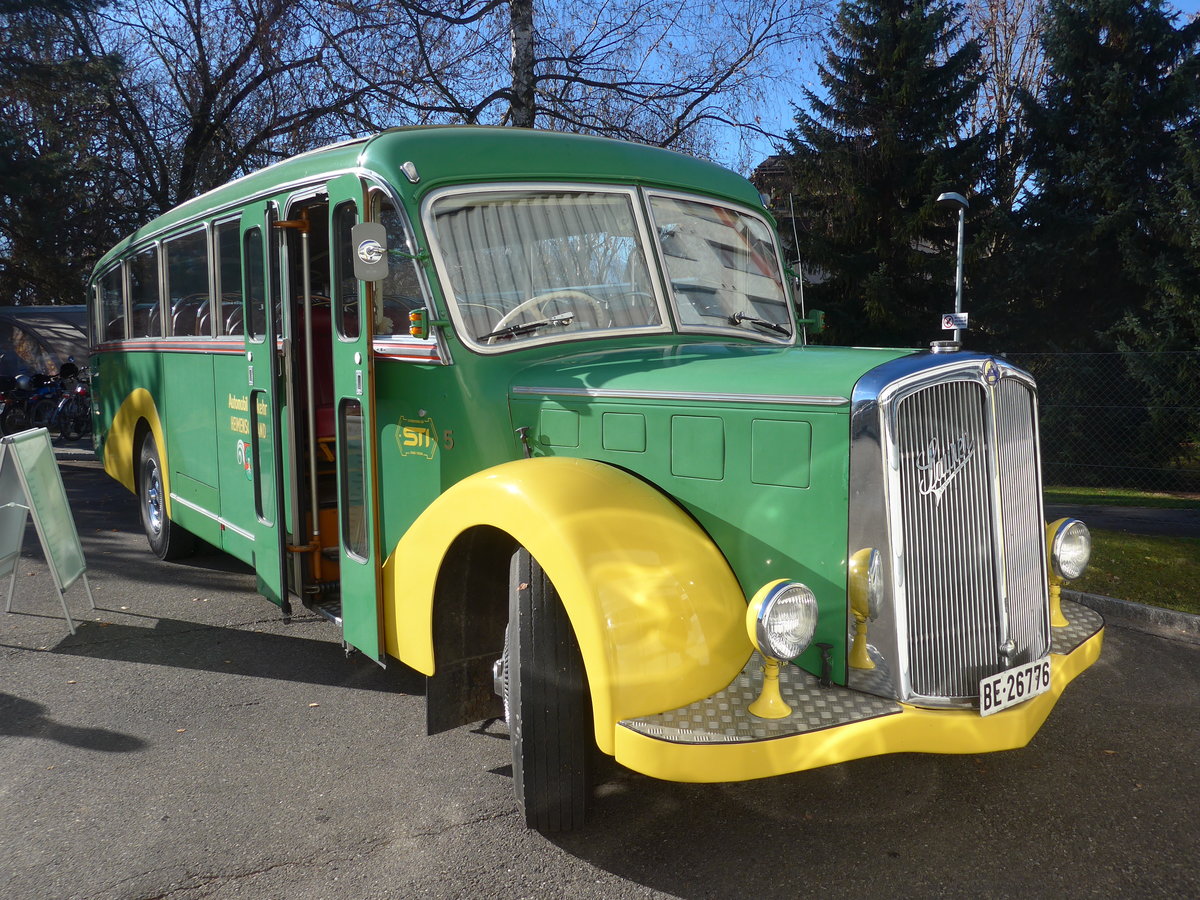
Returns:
(187, 743)
(1132, 519)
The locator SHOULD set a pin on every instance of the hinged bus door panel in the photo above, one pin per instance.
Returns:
(354, 422)
(260, 448)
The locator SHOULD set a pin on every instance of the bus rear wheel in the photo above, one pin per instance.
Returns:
(166, 539)
(547, 703)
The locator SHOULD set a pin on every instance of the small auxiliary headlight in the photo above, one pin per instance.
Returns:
(782, 619)
(1070, 548)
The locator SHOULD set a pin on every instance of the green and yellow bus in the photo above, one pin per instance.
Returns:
(533, 414)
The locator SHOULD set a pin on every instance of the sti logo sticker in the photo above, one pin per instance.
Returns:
(416, 437)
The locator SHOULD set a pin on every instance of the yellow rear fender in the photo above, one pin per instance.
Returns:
(654, 605)
(120, 448)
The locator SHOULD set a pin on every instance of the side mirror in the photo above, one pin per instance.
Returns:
(369, 240)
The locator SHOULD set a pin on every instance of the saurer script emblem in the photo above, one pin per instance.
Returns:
(938, 464)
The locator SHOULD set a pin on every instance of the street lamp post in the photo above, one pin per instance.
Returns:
(955, 199)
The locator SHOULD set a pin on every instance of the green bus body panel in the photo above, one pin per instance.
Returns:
(189, 405)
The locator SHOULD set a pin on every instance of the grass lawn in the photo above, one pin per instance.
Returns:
(1159, 571)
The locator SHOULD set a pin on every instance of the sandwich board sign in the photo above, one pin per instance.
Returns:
(30, 483)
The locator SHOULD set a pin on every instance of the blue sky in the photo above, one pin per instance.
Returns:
(742, 154)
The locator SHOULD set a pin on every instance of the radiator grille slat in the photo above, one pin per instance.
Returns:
(972, 561)
(1024, 532)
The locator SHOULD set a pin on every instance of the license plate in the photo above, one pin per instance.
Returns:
(1016, 685)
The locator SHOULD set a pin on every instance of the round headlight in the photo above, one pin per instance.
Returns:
(1070, 548)
(782, 619)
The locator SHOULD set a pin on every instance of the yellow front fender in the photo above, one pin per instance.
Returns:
(654, 605)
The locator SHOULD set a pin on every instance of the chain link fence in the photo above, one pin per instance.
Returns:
(1119, 419)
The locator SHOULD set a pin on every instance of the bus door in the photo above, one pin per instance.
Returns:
(259, 450)
(358, 551)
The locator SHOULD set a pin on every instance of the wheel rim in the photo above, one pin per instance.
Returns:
(153, 500)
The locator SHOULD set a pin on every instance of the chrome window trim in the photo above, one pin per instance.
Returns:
(641, 223)
(206, 227)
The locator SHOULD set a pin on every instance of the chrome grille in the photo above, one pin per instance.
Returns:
(970, 533)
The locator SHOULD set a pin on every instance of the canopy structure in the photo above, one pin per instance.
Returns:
(42, 338)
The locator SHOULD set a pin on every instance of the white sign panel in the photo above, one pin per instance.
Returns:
(31, 483)
(954, 321)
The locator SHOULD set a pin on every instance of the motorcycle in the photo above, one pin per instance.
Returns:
(72, 416)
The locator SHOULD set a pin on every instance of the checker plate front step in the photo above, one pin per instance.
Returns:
(724, 718)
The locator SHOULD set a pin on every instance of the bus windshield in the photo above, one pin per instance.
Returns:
(722, 266)
(528, 264)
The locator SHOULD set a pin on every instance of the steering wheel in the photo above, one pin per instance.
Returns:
(548, 297)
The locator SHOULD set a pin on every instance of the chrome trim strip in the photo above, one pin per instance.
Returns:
(703, 396)
(224, 523)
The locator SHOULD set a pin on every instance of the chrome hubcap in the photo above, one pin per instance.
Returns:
(154, 513)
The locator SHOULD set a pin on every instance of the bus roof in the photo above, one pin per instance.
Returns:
(459, 154)
(456, 154)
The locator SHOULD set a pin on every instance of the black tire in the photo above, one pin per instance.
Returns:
(73, 420)
(42, 415)
(548, 705)
(15, 418)
(167, 540)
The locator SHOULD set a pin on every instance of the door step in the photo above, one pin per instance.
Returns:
(330, 609)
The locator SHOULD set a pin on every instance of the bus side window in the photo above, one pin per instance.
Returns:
(228, 295)
(143, 295)
(112, 306)
(345, 285)
(187, 283)
(256, 294)
(401, 291)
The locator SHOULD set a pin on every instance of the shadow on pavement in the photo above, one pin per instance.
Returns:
(25, 718)
(235, 651)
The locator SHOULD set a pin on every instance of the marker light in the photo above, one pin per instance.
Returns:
(1070, 548)
(782, 618)
(418, 323)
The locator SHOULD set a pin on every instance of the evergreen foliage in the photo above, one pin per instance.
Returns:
(1109, 244)
(870, 159)
(53, 164)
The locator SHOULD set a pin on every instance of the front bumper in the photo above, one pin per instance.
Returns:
(717, 739)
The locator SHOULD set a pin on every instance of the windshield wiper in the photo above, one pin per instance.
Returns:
(527, 327)
(738, 318)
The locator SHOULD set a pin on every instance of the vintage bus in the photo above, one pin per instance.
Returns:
(534, 415)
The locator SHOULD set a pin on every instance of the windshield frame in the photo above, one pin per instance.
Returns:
(642, 231)
(748, 330)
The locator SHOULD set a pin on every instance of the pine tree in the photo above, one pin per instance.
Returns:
(58, 208)
(871, 157)
(1112, 154)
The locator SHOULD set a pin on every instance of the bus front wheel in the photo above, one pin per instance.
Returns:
(167, 540)
(547, 703)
